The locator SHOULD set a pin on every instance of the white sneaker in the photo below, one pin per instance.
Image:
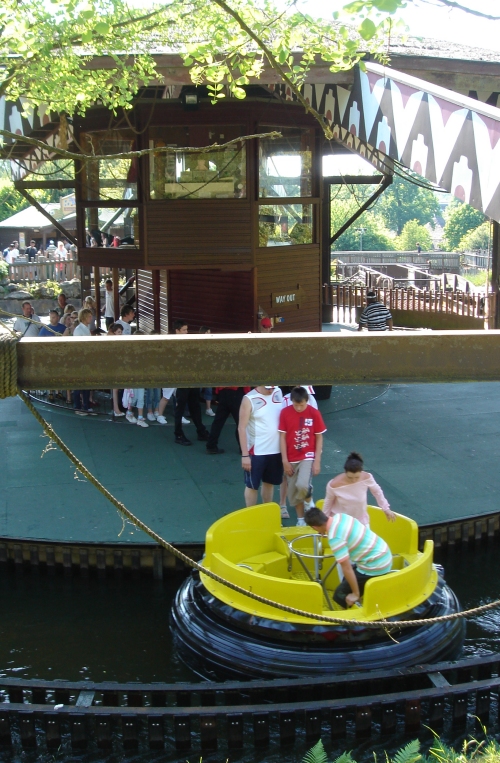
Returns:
(209, 412)
(131, 418)
(151, 417)
(301, 522)
(141, 422)
(162, 420)
(185, 421)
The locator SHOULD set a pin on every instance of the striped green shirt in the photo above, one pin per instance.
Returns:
(350, 539)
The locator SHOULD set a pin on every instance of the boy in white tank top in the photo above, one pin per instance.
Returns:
(260, 442)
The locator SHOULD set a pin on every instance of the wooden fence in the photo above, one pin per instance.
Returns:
(344, 299)
(45, 269)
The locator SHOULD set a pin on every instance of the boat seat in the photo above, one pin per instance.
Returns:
(269, 563)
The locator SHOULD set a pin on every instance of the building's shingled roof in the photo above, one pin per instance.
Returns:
(423, 46)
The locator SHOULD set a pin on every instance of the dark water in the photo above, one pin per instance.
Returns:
(117, 630)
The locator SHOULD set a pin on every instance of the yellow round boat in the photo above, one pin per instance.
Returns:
(224, 633)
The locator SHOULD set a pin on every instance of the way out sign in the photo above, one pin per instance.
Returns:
(286, 298)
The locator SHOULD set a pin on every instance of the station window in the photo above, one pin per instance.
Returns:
(285, 163)
(285, 224)
(109, 179)
(112, 227)
(219, 173)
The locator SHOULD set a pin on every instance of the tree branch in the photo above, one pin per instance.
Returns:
(63, 153)
(458, 6)
(276, 66)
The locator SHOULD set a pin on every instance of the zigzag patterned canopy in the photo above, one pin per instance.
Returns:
(450, 139)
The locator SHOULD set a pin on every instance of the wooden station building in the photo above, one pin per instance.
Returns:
(223, 237)
(216, 238)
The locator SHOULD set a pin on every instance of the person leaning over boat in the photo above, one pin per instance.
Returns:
(347, 493)
(360, 553)
(260, 442)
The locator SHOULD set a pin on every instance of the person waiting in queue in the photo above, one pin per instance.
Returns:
(359, 552)
(347, 493)
(375, 316)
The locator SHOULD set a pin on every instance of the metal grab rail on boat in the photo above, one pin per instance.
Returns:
(318, 556)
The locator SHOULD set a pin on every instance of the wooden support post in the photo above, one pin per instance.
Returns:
(338, 721)
(482, 711)
(78, 728)
(156, 737)
(235, 731)
(110, 699)
(52, 730)
(494, 320)
(86, 283)
(5, 735)
(327, 312)
(62, 696)
(134, 699)
(363, 721)
(460, 711)
(116, 295)
(388, 720)
(27, 730)
(412, 716)
(436, 713)
(103, 732)
(261, 729)
(16, 695)
(313, 726)
(208, 732)
(130, 732)
(182, 732)
(287, 723)
(38, 696)
(97, 297)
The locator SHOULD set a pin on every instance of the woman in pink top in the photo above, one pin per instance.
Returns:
(347, 493)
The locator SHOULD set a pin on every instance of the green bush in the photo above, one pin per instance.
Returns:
(487, 751)
(4, 270)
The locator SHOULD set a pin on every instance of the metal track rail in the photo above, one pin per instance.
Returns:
(209, 715)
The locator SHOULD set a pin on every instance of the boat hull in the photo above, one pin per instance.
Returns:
(220, 643)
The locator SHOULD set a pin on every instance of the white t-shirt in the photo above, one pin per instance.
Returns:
(310, 390)
(14, 253)
(262, 430)
(125, 326)
(26, 328)
(81, 330)
(109, 311)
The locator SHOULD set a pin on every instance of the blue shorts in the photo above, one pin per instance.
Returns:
(264, 469)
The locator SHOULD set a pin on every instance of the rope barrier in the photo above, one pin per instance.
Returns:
(386, 624)
(37, 323)
(9, 388)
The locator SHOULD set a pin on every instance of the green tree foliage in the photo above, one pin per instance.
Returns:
(412, 234)
(49, 50)
(460, 219)
(11, 200)
(404, 201)
(376, 237)
(476, 239)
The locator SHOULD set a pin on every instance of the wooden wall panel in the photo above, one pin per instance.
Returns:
(144, 300)
(284, 269)
(199, 233)
(221, 300)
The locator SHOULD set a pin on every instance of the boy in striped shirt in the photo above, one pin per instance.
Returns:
(360, 553)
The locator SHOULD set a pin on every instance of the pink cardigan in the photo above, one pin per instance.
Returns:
(352, 499)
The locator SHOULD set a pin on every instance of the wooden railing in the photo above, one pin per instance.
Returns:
(346, 298)
(44, 269)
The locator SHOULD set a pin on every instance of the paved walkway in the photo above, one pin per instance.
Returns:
(433, 448)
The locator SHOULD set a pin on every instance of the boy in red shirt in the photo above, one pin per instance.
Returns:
(301, 430)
